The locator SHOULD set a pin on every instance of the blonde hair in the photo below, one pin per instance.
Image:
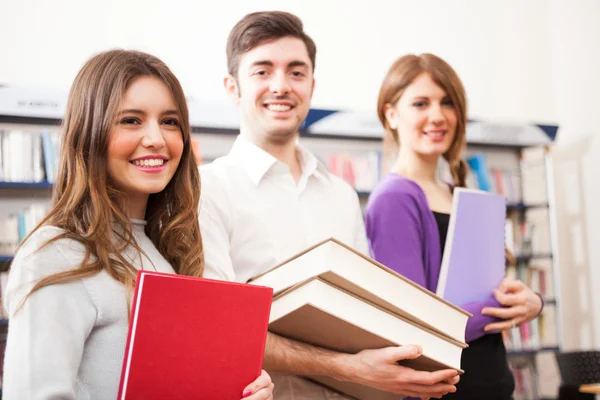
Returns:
(400, 75)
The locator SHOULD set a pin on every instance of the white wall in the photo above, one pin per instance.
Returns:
(529, 60)
(501, 49)
(576, 91)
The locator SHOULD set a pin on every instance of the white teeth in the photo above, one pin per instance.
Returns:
(436, 134)
(278, 107)
(154, 162)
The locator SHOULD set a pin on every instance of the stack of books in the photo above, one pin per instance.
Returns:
(334, 297)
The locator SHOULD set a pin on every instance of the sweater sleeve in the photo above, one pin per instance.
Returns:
(46, 336)
(478, 321)
(395, 234)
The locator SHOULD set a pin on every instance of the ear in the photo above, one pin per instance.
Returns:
(231, 86)
(312, 90)
(391, 115)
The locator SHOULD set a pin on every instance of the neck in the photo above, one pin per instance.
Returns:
(416, 167)
(135, 206)
(284, 151)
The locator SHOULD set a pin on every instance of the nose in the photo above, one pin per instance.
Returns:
(436, 114)
(279, 84)
(153, 137)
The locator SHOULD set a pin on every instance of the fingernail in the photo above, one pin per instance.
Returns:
(246, 394)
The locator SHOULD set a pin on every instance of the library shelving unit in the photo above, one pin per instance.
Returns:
(517, 164)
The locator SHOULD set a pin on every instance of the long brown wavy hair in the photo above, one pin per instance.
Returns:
(400, 75)
(86, 204)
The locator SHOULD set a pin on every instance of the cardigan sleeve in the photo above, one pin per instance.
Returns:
(396, 232)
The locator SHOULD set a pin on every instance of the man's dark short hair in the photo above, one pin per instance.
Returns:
(263, 27)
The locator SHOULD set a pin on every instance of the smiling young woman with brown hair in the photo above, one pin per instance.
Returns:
(126, 198)
(423, 108)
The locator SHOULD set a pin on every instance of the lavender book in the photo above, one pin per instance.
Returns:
(473, 263)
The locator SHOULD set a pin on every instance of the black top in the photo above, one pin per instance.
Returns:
(487, 375)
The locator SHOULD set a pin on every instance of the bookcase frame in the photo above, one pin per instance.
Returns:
(215, 141)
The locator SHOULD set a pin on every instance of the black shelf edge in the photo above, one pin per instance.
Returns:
(551, 302)
(525, 258)
(531, 352)
(18, 119)
(524, 206)
(25, 185)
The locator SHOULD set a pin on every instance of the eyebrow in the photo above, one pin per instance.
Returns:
(295, 63)
(140, 112)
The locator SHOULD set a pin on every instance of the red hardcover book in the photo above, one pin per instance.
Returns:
(193, 338)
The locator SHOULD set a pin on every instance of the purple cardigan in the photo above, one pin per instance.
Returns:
(403, 235)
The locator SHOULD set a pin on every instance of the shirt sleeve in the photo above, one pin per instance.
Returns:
(395, 234)
(361, 243)
(47, 335)
(215, 228)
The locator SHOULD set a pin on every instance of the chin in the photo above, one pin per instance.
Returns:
(282, 135)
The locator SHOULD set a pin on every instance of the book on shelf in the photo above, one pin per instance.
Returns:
(334, 297)
(360, 170)
(534, 334)
(492, 179)
(338, 264)
(17, 226)
(475, 247)
(193, 338)
(28, 156)
(525, 382)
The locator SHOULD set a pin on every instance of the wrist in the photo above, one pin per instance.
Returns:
(342, 367)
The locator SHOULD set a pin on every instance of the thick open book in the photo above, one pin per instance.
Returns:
(473, 263)
(321, 314)
(338, 264)
(193, 338)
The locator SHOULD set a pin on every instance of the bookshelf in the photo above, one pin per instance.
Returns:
(517, 158)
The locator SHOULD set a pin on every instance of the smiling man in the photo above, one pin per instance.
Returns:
(270, 198)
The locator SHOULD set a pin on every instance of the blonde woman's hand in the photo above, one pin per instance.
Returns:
(521, 304)
(260, 389)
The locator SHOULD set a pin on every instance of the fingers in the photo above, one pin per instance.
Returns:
(511, 299)
(506, 313)
(509, 284)
(407, 352)
(262, 394)
(501, 326)
(262, 387)
(429, 379)
(435, 391)
(453, 381)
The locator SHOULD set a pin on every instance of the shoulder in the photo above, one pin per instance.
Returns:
(42, 255)
(46, 246)
(395, 190)
(221, 169)
(342, 187)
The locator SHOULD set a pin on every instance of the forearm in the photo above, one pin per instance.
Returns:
(283, 355)
(478, 321)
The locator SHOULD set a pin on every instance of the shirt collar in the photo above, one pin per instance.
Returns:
(257, 162)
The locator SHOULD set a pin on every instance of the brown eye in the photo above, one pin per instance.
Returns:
(171, 121)
(129, 121)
